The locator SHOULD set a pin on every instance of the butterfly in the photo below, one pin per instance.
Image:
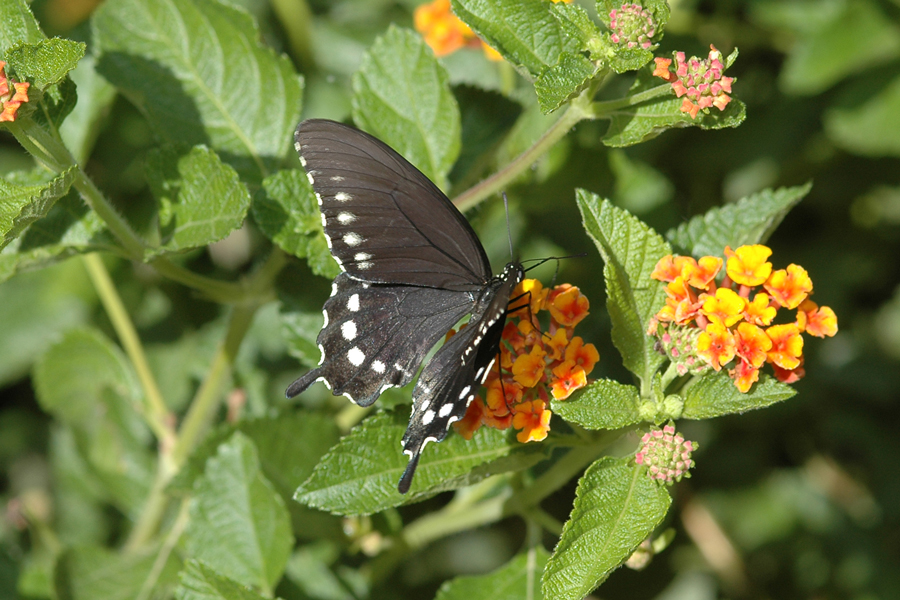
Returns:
(411, 268)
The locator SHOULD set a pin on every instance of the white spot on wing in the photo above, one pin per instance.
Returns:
(337, 178)
(445, 410)
(353, 303)
(359, 256)
(463, 393)
(428, 417)
(363, 266)
(345, 218)
(356, 356)
(378, 366)
(334, 289)
(342, 197)
(312, 180)
(353, 239)
(348, 330)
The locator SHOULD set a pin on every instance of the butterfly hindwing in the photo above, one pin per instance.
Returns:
(384, 220)
(451, 379)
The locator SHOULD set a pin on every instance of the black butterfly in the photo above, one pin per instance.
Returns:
(412, 267)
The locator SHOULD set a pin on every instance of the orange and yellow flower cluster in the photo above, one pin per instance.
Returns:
(445, 33)
(534, 365)
(705, 324)
(700, 81)
(11, 99)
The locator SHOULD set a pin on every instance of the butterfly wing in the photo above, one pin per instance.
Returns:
(375, 336)
(451, 379)
(385, 221)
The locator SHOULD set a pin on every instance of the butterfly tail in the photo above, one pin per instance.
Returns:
(301, 383)
(407, 477)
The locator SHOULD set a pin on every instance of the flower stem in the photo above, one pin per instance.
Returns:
(155, 411)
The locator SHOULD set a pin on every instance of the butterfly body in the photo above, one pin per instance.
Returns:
(412, 268)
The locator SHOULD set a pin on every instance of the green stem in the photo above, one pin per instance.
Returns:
(162, 557)
(502, 178)
(603, 109)
(156, 413)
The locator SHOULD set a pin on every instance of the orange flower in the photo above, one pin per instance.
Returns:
(531, 291)
(669, 267)
(816, 321)
(789, 375)
(568, 306)
(752, 344)
(528, 369)
(557, 344)
(471, 422)
(759, 312)
(716, 345)
(512, 336)
(787, 345)
(726, 307)
(744, 375)
(10, 103)
(789, 286)
(442, 30)
(585, 355)
(662, 69)
(533, 419)
(567, 377)
(703, 271)
(748, 265)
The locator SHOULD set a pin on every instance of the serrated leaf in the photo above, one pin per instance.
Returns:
(286, 211)
(604, 404)
(750, 220)
(69, 228)
(45, 63)
(617, 506)
(198, 72)
(92, 572)
(869, 129)
(19, 25)
(517, 579)
(575, 23)
(524, 32)
(86, 382)
(238, 523)
(359, 475)
(402, 96)
(198, 581)
(635, 124)
(563, 81)
(630, 251)
(201, 199)
(715, 395)
(21, 205)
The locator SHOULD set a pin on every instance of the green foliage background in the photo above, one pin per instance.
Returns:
(798, 500)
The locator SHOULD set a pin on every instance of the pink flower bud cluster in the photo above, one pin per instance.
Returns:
(701, 82)
(667, 454)
(633, 25)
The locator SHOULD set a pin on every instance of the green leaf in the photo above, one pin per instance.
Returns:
(715, 395)
(563, 81)
(95, 97)
(86, 382)
(198, 581)
(750, 220)
(45, 63)
(834, 40)
(21, 205)
(639, 188)
(401, 95)
(198, 72)
(92, 572)
(604, 404)
(869, 129)
(524, 32)
(631, 125)
(517, 579)
(359, 475)
(630, 251)
(19, 25)
(287, 212)
(69, 228)
(201, 199)
(575, 23)
(238, 523)
(617, 506)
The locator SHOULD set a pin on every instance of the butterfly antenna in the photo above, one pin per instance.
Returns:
(508, 230)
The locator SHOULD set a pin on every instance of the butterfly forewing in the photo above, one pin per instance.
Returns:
(385, 221)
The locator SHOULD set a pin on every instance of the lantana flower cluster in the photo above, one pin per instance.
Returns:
(534, 365)
(445, 33)
(708, 325)
(667, 454)
(701, 82)
(12, 95)
(632, 25)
